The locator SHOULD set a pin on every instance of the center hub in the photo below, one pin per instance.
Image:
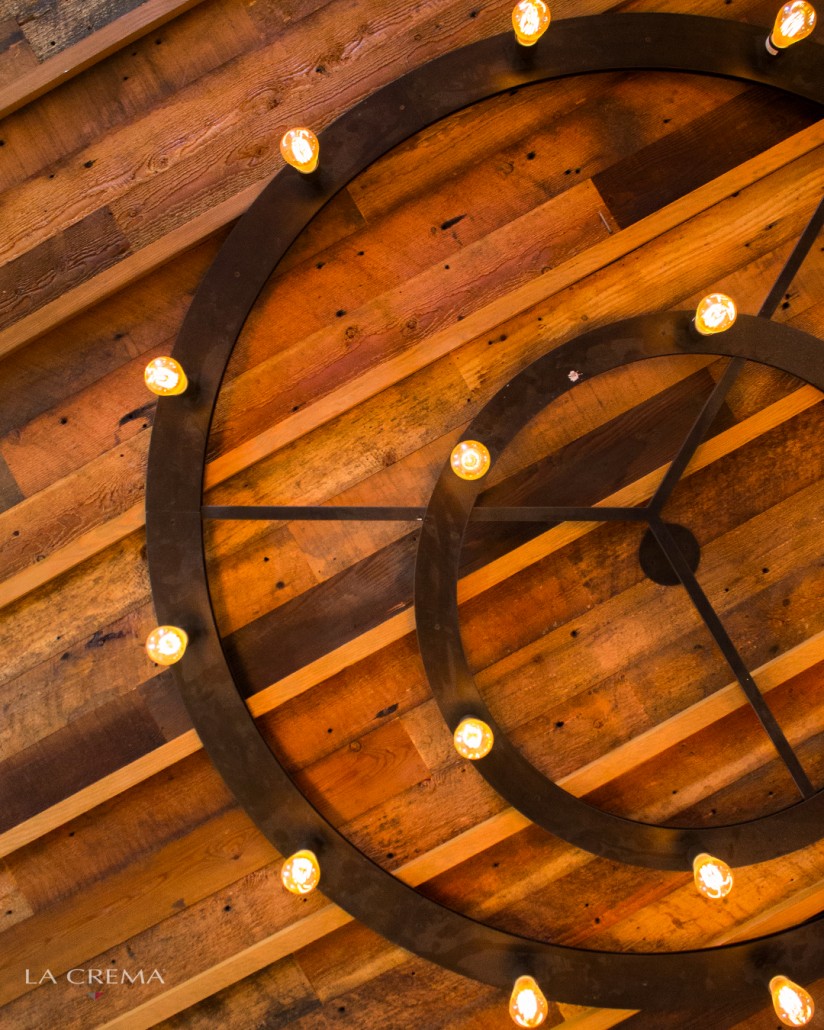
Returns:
(655, 563)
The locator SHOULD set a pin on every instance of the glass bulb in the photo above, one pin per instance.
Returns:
(300, 149)
(300, 872)
(715, 314)
(795, 21)
(527, 1004)
(713, 878)
(473, 738)
(470, 460)
(530, 19)
(792, 1004)
(165, 377)
(166, 644)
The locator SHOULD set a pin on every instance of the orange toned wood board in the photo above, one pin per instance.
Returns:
(133, 137)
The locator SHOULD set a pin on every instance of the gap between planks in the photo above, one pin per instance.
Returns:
(483, 321)
(394, 628)
(55, 71)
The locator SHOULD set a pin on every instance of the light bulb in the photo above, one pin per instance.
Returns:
(795, 21)
(300, 149)
(470, 460)
(715, 314)
(166, 644)
(300, 872)
(792, 1004)
(530, 19)
(527, 1004)
(713, 878)
(165, 377)
(473, 738)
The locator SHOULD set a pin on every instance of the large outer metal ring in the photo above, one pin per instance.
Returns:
(436, 598)
(174, 531)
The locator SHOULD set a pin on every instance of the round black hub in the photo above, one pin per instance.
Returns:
(656, 564)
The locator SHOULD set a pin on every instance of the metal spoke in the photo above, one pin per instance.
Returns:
(316, 513)
(699, 428)
(349, 513)
(719, 394)
(722, 639)
(793, 263)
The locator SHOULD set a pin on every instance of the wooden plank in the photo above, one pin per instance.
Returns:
(342, 350)
(153, 255)
(364, 595)
(16, 55)
(663, 171)
(330, 918)
(90, 543)
(278, 994)
(115, 278)
(125, 903)
(382, 764)
(396, 627)
(246, 957)
(94, 421)
(85, 350)
(99, 668)
(43, 137)
(520, 303)
(145, 17)
(484, 149)
(85, 750)
(10, 492)
(117, 581)
(59, 264)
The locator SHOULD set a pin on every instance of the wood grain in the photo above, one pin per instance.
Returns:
(428, 283)
(81, 50)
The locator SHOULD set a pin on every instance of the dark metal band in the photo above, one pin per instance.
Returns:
(174, 496)
(436, 602)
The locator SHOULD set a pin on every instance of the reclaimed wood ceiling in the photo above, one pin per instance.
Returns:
(441, 271)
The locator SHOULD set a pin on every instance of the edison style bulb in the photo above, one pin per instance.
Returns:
(470, 460)
(300, 873)
(165, 377)
(792, 1004)
(473, 738)
(795, 21)
(713, 878)
(527, 1004)
(715, 314)
(166, 644)
(530, 19)
(300, 149)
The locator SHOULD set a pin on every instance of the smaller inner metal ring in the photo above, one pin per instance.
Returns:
(436, 599)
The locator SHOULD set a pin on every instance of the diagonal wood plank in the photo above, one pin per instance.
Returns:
(602, 256)
(588, 778)
(38, 81)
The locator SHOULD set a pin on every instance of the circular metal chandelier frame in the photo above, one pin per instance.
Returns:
(174, 530)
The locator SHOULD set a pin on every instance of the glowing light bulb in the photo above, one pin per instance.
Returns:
(165, 377)
(527, 1004)
(470, 460)
(473, 738)
(795, 21)
(713, 878)
(530, 19)
(715, 314)
(300, 872)
(166, 644)
(300, 149)
(792, 1004)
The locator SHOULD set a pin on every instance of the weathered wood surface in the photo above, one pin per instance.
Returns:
(422, 288)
